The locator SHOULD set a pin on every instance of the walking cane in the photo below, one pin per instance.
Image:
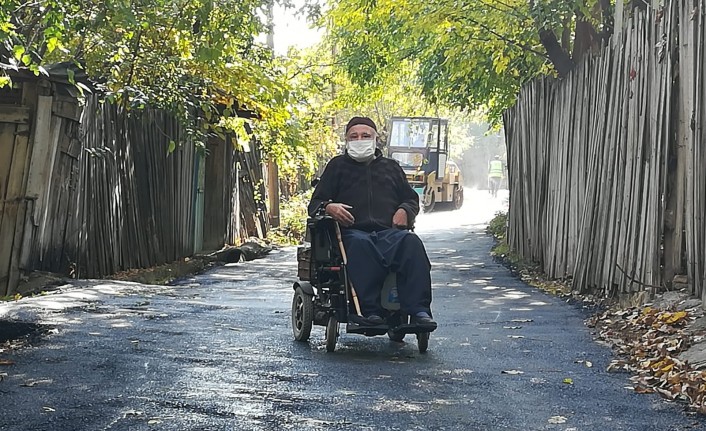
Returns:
(345, 263)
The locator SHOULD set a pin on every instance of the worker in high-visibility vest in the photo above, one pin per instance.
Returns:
(495, 175)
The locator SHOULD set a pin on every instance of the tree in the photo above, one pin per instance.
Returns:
(196, 58)
(396, 94)
(468, 54)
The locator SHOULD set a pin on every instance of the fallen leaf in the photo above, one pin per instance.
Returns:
(557, 420)
(589, 364)
(672, 318)
(33, 383)
(48, 409)
(515, 336)
(512, 327)
(643, 390)
(6, 362)
(569, 381)
(521, 320)
(513, 372)
(665, 393)
(153, 422)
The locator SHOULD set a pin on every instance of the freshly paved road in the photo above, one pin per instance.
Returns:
(215, 352)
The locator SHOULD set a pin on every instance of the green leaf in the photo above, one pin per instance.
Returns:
(18, 51)
(26, 59)
(5, 80)
(71, 75)
(52, 44)
(172, 147)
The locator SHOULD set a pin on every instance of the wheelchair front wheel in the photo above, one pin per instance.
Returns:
(395, 336)
(331, 334)
(302, 315)
(423, 341)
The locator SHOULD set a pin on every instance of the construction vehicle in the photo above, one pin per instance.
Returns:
(421, 146)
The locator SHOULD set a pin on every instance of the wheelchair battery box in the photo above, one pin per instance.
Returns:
(304, 263)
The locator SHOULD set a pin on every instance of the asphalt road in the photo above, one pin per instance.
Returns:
(215, 352)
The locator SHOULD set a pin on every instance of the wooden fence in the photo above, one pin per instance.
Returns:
(607, 166)
(90, 190)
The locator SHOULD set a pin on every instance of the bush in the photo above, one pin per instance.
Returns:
(498, 225)
(292, 216)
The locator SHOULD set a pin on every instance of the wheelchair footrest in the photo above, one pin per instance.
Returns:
(370, 331)
(412, 329)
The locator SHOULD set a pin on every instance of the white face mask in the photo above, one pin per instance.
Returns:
(362, 150)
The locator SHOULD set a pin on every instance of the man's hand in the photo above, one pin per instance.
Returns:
(340, 213)
(400, 218)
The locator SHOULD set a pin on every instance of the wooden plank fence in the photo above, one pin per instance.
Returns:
(90, 190)
(607, 167)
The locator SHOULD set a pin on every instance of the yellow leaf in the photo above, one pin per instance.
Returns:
(569, 381)
(671, 318)
(667, 368)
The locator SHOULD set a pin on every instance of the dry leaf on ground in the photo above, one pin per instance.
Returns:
(557, 420)
(649, 342)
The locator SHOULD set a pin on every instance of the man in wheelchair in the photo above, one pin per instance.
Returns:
(369, 196)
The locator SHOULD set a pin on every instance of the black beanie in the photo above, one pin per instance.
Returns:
(361, 120)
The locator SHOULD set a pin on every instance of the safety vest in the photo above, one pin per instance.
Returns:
(496, 169)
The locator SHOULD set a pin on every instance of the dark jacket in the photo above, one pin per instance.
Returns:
(375, 191)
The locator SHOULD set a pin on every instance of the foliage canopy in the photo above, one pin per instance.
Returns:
(468, 53)
(199, 59)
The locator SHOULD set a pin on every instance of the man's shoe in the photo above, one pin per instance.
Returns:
(375, 320)
(423, 320)
(371, 320)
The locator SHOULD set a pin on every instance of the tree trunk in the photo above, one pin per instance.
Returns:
(559, 58)
(585, 37)
(557, 55)
(566, 36)
(607, 12)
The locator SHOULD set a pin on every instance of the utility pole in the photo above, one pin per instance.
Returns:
(272, 169)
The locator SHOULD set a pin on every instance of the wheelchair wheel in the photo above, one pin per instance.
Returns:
(331, 334)
(423, 342)
(302, 315)
(394, 336)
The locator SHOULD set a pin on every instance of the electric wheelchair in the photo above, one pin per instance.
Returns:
(324, 295)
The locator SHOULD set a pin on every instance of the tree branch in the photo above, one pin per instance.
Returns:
(557, 55)
(633, 280)
(510, 10)
(504, 38)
